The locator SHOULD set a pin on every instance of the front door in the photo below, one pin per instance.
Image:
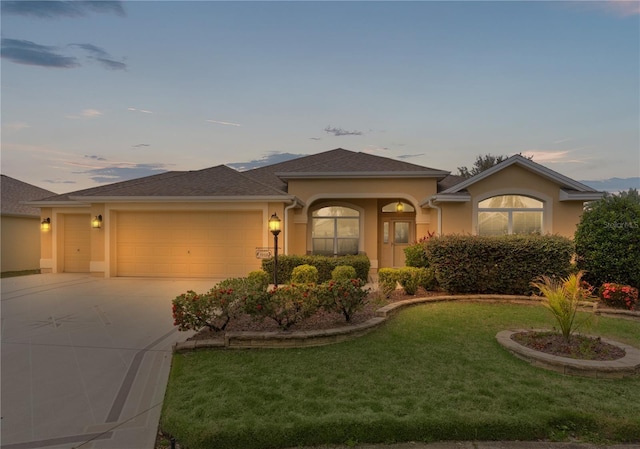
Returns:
(396, 236)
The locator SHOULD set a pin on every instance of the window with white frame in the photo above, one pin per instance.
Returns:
(510, 214)
(335, 230)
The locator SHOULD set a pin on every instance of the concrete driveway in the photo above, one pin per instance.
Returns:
(85, 360)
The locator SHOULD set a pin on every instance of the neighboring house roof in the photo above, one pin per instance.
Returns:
(569, 188)
(14, 192)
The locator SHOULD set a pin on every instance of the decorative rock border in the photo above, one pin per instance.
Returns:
(305, 339)
(629, 365)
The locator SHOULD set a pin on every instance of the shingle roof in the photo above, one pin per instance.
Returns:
(339, 163)
(218, 181)
(14, 192)
(223, 181)
(449, 182)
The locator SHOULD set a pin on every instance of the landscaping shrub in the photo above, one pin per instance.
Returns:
(608, 240)
(618, 295)
(388, 280)
(324, 264)
(304, 274)
(260, 278)
(343, 273)
(415, 255)
(286, 305)
(505, 264)
(344, 296)
(410, 279)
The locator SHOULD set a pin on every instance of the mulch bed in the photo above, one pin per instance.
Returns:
(318, 321)
(578, 347)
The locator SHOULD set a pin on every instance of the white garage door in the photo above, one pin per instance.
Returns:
(213, 244)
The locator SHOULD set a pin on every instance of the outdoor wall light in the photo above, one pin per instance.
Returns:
(45, 226)
(274, 227)
(399, 207)
(96, 223)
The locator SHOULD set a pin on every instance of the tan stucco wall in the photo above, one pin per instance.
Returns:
(366, 195)
(561, 217)
(412, 191)
(20, 243)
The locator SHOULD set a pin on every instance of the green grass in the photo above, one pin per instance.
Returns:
(434, 372)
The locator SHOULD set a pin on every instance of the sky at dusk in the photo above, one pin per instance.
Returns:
(99, 92)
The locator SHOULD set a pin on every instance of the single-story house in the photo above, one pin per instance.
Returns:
(214, 222)
(19, 225)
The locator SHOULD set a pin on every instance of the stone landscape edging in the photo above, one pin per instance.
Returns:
(323, 337)
(629, 365)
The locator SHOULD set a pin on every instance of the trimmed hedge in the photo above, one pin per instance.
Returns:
(503, 265)
(324, 264)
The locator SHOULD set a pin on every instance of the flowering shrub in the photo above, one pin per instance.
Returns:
(618, 295)
(343, 296)
(214, 309)
(286, 305)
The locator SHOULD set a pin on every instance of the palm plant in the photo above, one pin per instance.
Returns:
(563, 297)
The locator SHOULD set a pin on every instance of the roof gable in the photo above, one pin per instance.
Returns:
(341, 163)
(563, 182)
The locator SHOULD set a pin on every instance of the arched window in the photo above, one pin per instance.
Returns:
(510, 214)
(335, 230)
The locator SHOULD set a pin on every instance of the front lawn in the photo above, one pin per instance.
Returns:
(434, 372)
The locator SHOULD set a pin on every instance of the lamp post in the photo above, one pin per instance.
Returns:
(274, 227)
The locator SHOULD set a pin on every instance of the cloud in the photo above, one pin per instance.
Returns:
(30, 53)
(409, 156)
(123, 172)
(101, 56)
(223, 123)
(315, 138)
(97, 158)
(561, 141)
(551, 157)
(87, 113)
(55, 9)
(270, 158)
(58, 181)
(144, 111)
(341, 132)
(623, 8)
(141, 145)
(15, 126)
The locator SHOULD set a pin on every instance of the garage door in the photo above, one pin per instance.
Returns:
(77, 243)
(188, 244)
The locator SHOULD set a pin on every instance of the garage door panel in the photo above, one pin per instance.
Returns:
(188, 244)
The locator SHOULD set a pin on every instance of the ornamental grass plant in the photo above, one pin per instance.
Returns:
(434, 372)
(563, 296)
